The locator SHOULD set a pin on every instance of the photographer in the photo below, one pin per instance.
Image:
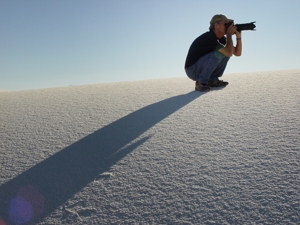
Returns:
(209, 53)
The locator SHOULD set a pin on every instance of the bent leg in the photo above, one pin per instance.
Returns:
(218, 72)
(207, 65)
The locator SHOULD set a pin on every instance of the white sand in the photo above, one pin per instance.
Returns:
(153, 152)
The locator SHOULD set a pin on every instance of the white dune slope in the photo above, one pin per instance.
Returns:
(153, 152)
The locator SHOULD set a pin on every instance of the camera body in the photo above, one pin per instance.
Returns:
(243, 26)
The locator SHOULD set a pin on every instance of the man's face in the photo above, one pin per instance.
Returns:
(220, 27)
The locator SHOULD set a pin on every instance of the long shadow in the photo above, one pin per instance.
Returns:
(40, 190)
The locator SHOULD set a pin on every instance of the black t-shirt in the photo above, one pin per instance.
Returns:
(202, 45)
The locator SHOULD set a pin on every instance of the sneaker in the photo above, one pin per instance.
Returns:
(217, 83)
(201, 87)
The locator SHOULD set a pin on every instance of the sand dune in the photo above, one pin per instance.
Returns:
(153, 152)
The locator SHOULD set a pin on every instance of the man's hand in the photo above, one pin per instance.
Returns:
(231, 30)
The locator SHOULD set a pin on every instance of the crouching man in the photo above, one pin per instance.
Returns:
(210, 52)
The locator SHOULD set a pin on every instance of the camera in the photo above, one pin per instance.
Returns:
(243, 26)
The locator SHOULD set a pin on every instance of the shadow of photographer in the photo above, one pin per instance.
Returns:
(40, 190)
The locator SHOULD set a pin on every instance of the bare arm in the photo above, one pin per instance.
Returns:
(238, 48)
(229, 49)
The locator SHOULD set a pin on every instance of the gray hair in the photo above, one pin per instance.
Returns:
(212, 26)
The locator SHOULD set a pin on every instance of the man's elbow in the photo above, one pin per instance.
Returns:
(228, 53)
(238, 54)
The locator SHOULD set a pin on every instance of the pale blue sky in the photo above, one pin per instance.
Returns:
(54, 43)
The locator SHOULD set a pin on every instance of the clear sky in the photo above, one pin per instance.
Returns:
(75, 42)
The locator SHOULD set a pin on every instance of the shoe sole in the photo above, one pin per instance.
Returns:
(218, 85)
(202, 90)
